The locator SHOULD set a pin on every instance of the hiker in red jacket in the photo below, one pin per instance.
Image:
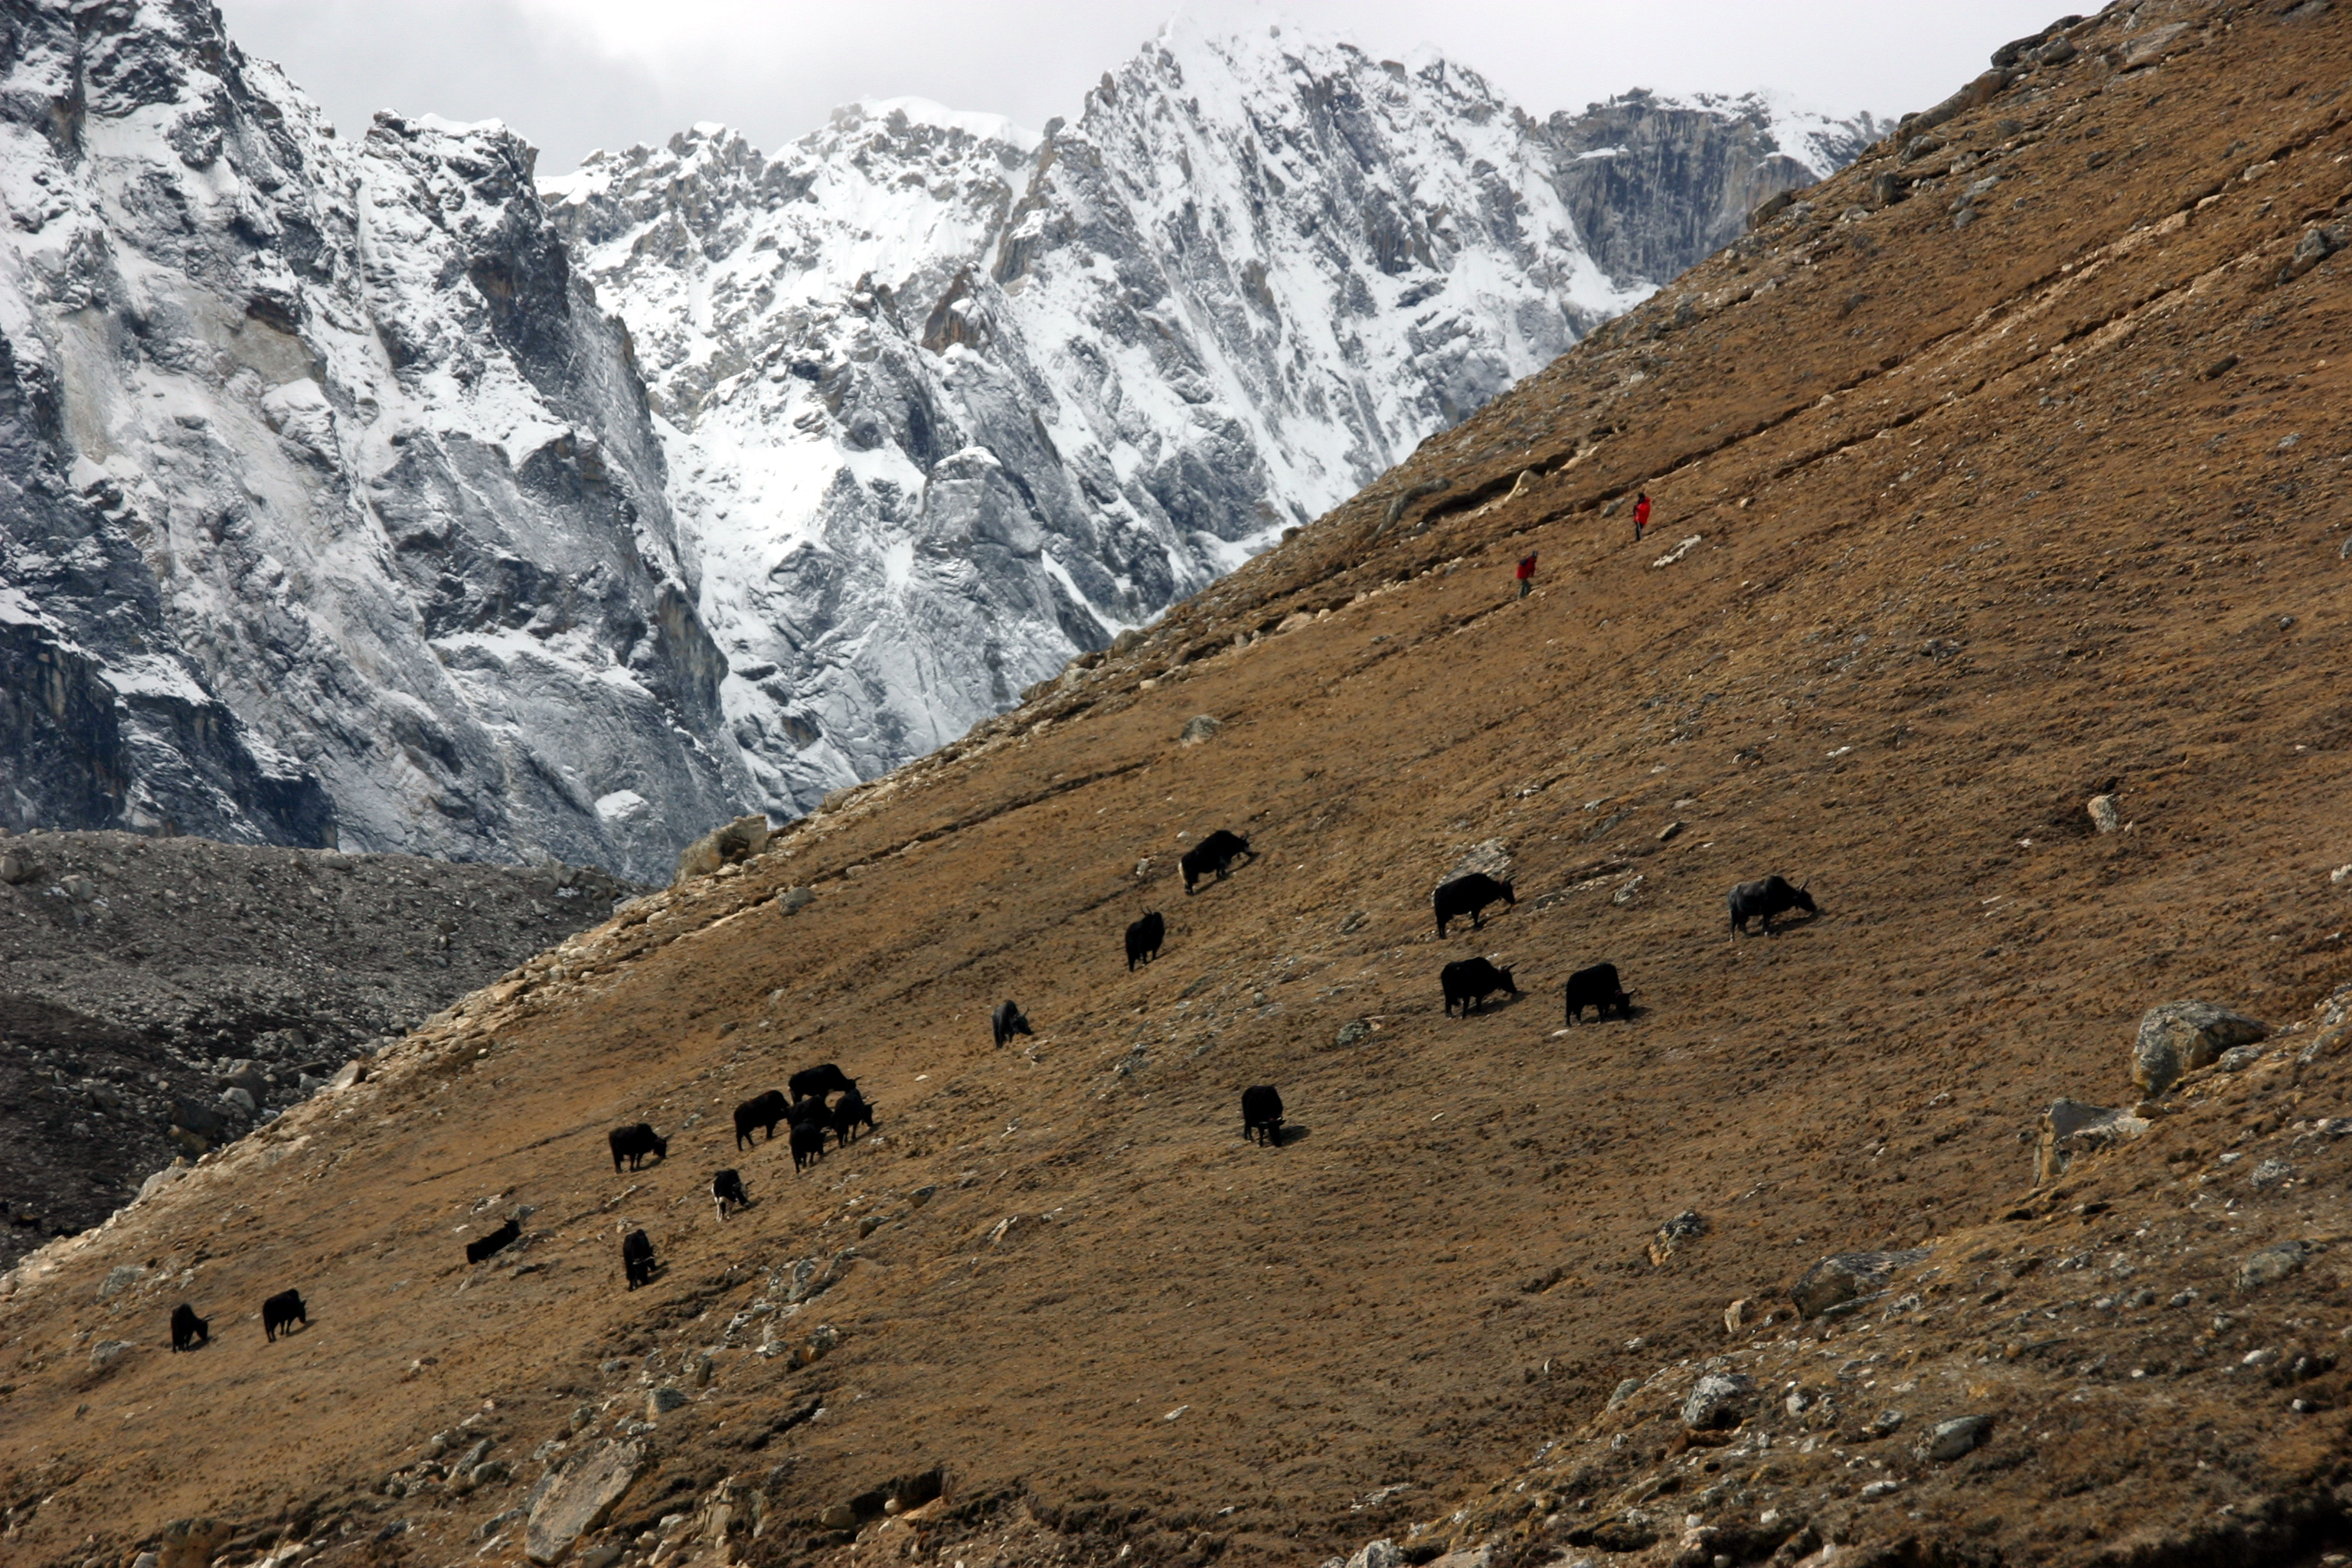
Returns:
(1526, 574)
(1641, 515)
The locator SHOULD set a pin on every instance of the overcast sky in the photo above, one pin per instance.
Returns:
(570, 75)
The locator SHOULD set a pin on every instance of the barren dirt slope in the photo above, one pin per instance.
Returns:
(1988, 517)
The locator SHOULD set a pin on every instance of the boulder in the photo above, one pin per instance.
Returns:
(664, 1400)
(237, 1095)
(1378, 1554)
(737, 841)
(1490, 858)
(838, 1516)
(106, 1353)
(2105, 815)
(1197, 728)
(1848, 1277)
(191, 1542)
(210, 1123)
(1717, 1399)
(2176, 1038)
(1683, 1227)
(15, 870)
(582, 1495)
(793, 901)
(2272, 1264)
(1353, 1030)
(119, 1278)
(2071, 1128)
(1950, 1440)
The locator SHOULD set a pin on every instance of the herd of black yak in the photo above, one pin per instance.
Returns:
(811, 1113)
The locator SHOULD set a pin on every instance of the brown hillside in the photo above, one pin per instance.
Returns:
(1990, 517)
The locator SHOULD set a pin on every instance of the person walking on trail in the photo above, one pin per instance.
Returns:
(1641, 515)
(1526, 574)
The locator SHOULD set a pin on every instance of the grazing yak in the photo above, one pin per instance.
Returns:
(1772, 896)
(1008, 1022)
(808, 1143)
(490, 1246)
(281, 1312)
(850, 1114)
(634, 1143)
(762, 1110)
(820, 1081)
(637, 1258)
(727, 1187)
(1215, 854)
(188, 1331)
(1598, 989)
(1262, 1114)
(810, 1112)
(1470, 896)
(1469, 980)
(1143, 939)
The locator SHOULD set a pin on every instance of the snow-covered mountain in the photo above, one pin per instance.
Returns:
(339, 504)
(330, 504)
(946, 401)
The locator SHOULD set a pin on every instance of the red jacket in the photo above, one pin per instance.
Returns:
(1526, 568)
(1642, 510)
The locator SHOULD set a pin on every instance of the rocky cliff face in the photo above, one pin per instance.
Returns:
(947, 402)
(331, 509)
(337, 510)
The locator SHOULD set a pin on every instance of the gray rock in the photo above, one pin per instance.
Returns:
(1624, 1391)
(106, 1353)
(838, 1516)
(1378, 1554)
(2105, 817)
(2071, 1128)
(1489, 858)
(1685, 1227)
(239, 1096)
(119, 1278)
(726, 844)
(2272, 1264)
(1353, 1030)
(2238, 1058)
(15, 870)
(582, 1495)
(793, 901)
(1950, 1440)
(2176, 1038)
(1848, 1277)
(1717, 1399)
(1197, 728)
(664, 1400)
(2270, 1174)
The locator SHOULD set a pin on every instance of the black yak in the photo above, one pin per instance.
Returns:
(1598, 989)
(820, 1081)
(188, 1331)
(1772, 896)
(637, 1258)
(1215, 854)
(1469, 980)
(1143, 939)
(490, 1246)
(850, 1114)
(808, 1143)
(727, 1187)
(1469, 896)
(634, 1143)
(761, 1110)
(1007, 1022)
(1262, 1114)
(281, 1312)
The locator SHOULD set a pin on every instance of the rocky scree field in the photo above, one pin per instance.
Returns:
(142, 979)
(1960, 525)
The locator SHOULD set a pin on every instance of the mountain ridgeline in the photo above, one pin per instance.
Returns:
(367, 490)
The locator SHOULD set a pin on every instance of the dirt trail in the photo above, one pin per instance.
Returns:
(1991, 518)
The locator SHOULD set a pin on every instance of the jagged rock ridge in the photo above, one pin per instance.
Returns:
(337, 510)
(947, 401)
